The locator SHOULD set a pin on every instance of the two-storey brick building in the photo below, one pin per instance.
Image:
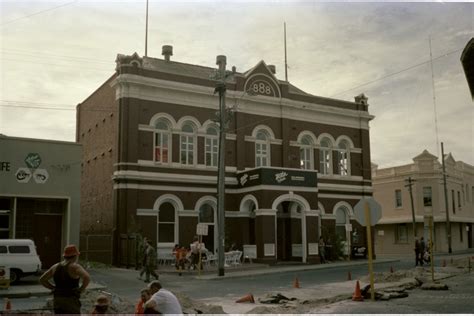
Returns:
(296, 163)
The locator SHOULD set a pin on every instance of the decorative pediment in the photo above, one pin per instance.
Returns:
(425, 155)
(261, 81)
(134, 60)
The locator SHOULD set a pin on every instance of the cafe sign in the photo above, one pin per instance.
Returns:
(277, 176)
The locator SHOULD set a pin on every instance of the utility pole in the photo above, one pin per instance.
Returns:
(221, 87)
(146, 30)
(409, 185)
(448, 224)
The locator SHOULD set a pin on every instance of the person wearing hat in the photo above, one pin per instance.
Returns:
(101, 305)
(66, 275)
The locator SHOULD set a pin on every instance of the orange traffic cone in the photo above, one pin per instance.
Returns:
(357, 296)
(8, 305)
(247, 298)
(349, 276)
(296, 283)
(391, 269)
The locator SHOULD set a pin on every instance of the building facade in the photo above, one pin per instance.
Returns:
(296, 163)
(394, 232)
(40, 193)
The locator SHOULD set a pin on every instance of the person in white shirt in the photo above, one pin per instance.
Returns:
(162, 301)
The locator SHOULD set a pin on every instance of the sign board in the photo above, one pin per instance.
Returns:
(381, 232)
(201, 229)
(250, 251)
(23, 175)
(297, 250)
(313, 248)
(268, 250)
(348, 227)
(41, 176)
(375, 211)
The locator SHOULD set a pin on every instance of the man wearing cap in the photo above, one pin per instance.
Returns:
(66, 275)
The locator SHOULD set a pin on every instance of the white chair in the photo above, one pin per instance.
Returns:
(237, 257)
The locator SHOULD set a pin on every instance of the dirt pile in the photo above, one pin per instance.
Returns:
(191, 306)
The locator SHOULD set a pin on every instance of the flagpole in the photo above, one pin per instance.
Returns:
(146, 31)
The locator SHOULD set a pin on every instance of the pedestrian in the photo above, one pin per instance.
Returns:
(145, 295)
(195, 249)
(66, 275)
(142, 252)
(417, 252)
(422, 250)
(162, 301)
(180, 254)
(101, 305)
(150, 262)
(322, 249)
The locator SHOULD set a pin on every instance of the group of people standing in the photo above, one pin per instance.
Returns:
(422, 254)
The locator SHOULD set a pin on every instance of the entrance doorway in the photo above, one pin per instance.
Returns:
(206, 216)
(47, 234)
(289, 232)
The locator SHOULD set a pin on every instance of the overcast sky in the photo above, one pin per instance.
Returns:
(56, 53)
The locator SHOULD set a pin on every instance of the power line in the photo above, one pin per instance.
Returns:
(397, 72)
(37, 13)
(55, 108)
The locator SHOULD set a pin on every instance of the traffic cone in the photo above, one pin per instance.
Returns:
(357, 296)
(8, 305)
(391, 269)
(296, 283)
(349, 276)
(247, 298)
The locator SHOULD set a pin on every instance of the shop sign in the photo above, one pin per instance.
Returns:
(33, 160)
(40, 176)
(4, 166)
(277, 176)
(23, 175)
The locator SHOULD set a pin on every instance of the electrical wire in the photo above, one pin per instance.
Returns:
(37, 13)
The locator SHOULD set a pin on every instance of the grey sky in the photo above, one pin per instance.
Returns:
(56, 53)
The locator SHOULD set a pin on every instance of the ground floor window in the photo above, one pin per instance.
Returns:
(401, 234)
(166, 223)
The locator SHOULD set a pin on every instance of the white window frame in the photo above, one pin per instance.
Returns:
(398, 198)
(343, 158)
(211, 147)
(325, 158)
(189, 141)
(307, 153)
(161, 133)
(262, 150)
(426, 196)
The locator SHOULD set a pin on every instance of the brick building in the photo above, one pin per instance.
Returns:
(296, 163)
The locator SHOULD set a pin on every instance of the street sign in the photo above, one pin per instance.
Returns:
(375, 211)
(201, 229)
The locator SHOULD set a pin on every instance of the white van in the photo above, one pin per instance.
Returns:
(20, 256)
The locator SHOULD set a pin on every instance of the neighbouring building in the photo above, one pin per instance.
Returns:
(296, 163)
(40, 193)
(394, 232)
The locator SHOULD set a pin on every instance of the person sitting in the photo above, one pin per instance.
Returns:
(101, 305)
(145, 296)
(162, 301)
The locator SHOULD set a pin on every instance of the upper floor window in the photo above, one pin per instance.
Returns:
(398, 198)
(162, 141)
(262, 149)
(454, 201)
(187, 144)
(427, 196)
(212, 147)
(459, 199)
(343, 158)
(325, 156)
(306, 153)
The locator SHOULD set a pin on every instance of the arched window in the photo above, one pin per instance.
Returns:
(187, 144)
(306, 153)
(166, 223)
(212, 147)
(262, 149)
(325, 156)
(162, 141)
(342, 218)
(343, 158)
(206, 214)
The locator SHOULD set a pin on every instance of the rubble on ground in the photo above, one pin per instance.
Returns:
(191, 306)
(434, 286)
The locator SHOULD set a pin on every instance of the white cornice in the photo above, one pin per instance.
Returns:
(170, 177)
(145, 88)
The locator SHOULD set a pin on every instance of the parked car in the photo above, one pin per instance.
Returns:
(20, 256)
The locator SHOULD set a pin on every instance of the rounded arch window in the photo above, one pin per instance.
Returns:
(166, 223)
(188, 127)
(325, 142)
(341, 220)
(211, 131)
(307, 140)
(262, 135)
(343, 144)
(162, 125)
(206, 214)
